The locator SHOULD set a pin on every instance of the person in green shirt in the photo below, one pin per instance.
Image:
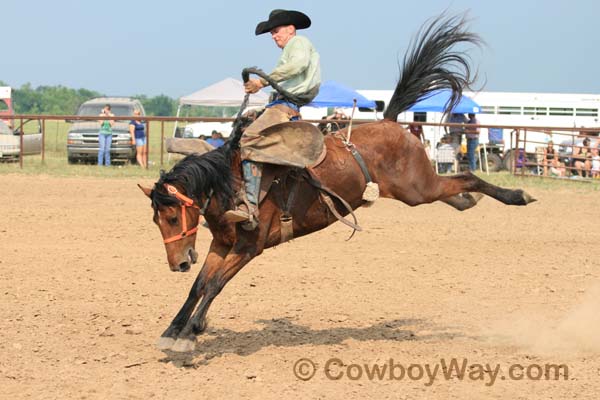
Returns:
(105, 136)
(298, 71)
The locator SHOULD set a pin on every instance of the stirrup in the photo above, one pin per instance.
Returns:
(242, 215)
(237, 216)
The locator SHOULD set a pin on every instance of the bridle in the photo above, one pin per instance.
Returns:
(185, 203)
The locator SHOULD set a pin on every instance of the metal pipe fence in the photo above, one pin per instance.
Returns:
(522, 152)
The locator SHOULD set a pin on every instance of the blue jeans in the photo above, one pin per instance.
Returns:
(471, 147)
(104, 142)
(287, 104)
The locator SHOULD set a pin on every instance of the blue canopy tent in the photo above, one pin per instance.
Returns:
(438, 101)
(334, 94)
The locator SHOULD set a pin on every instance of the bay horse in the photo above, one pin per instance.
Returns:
(395, 160)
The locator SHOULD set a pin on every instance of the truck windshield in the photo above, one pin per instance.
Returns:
(95, 109)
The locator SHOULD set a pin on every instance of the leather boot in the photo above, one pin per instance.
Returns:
(247, 208)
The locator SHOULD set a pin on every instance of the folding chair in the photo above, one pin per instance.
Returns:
(446, 154)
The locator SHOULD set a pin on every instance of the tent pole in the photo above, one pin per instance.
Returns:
(177, 122)
(174, 129)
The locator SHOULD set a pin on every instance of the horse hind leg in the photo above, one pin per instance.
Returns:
(463, 201)
(467, 182)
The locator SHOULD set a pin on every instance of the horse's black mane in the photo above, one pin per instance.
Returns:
(197, 175)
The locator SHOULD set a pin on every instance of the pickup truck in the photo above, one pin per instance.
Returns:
(10, 141)
(82, 139)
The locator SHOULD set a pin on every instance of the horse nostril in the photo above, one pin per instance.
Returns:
(184, 266)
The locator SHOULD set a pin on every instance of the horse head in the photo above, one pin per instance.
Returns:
(197, 185)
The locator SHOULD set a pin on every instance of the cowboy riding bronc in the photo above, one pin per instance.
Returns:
(298, 72)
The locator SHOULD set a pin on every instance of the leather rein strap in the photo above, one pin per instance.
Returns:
(185, 203)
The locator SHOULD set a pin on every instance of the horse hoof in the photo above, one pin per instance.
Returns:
(528, 199)
(184, 346)
(165, 343)
(477, 196)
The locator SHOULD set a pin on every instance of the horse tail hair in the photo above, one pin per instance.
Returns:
(432, 64)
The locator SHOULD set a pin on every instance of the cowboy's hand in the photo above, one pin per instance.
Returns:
(253, 85)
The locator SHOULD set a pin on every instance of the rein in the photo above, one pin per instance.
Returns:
(185, 203)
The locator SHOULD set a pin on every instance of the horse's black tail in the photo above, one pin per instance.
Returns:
(432, 64)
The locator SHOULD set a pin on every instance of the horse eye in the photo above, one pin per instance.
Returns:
(172, 221)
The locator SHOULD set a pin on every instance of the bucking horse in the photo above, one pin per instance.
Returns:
(294, 202)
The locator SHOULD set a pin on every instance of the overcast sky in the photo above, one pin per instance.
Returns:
(177, 47)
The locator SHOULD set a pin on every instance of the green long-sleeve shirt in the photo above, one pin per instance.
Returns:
(298, 69)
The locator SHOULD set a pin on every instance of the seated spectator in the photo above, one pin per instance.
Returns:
(596, 163)
(456, 132)
(582, 155)
(216, 139)
(551, 161)
(323, 126)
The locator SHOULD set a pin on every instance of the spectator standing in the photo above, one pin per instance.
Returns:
(595, 163)
(472, 133)
(417, 130)
(216, 139)
(105, 136)
(138, 138)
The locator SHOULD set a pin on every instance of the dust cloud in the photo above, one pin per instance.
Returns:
(576, 333)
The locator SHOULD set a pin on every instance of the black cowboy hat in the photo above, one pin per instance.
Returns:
(283, 17)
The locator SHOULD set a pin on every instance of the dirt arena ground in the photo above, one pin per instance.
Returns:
(86, 291)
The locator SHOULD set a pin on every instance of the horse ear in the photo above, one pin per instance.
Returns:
(146, 191)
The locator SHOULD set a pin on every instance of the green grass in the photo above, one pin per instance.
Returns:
(56, 164)
(506, 179)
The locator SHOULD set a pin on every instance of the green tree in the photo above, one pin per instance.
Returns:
(160, 105)
(58, 100)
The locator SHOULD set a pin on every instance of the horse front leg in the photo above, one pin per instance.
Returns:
(213, 280)
(166, 341)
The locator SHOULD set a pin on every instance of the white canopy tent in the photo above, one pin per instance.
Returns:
(227, 93)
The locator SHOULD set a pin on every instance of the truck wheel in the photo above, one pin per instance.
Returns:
(494, 162)
(507, 162)
(72, 160)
